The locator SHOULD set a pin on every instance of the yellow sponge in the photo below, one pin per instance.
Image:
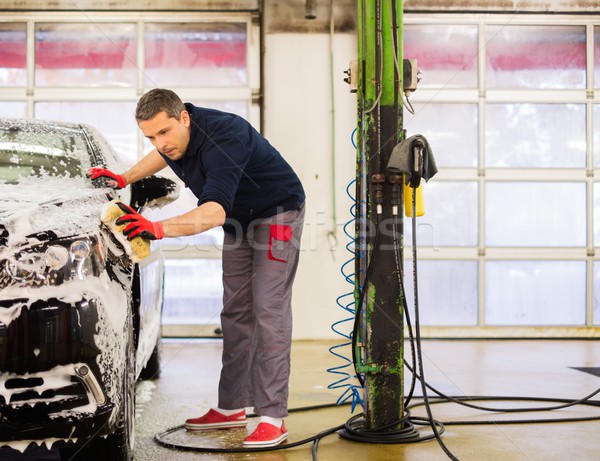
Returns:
(137, 248)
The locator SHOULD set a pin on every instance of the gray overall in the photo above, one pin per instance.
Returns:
(258, 272)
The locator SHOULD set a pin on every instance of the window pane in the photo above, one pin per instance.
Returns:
(451, 130)
(13, 55)
(446, 54)
(535, 292)
(450, 217)
(596, 292)
(447, 292)
(597, 57)
(535, 214)
(193, 291)
(209, 54)
(535, 135)
(596, 214)
(92, 54)
(13, 109)
(115, 120)
(597, 135)
(535, 56)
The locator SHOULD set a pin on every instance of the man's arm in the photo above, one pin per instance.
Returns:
(206, 216)
(152, 163)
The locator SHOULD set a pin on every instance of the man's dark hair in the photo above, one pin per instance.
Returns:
(159, 100)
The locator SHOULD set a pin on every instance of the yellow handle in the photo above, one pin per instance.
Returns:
(408, 197)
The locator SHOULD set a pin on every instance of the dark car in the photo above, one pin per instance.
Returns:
(79, 321)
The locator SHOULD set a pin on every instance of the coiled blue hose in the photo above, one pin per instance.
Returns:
(351, 390)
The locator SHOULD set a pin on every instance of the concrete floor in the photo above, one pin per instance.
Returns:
(539, 368)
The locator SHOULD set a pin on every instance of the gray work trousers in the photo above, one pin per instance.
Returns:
(258, 272)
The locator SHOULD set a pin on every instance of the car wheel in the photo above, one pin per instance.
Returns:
(152, 368)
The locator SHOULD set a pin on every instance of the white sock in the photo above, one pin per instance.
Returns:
(277, 422)
(228, 412)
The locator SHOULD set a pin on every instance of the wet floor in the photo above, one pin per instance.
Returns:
(538, 368)
(504, 368)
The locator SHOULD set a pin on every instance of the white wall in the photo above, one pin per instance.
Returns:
(297, 121)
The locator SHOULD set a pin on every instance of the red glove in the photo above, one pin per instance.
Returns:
(138, 225)
(116, 181)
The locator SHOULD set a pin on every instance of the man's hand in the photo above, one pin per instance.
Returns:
(138, 225)
(116, 181)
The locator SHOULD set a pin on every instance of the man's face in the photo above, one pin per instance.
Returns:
(169, 135)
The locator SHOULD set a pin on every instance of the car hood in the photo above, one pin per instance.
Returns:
(43, 208)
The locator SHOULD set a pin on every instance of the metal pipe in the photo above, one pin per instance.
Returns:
(380, 123)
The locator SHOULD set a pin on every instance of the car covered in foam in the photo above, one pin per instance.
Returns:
(79, 321)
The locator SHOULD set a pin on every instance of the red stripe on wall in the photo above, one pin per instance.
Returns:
(185, 54)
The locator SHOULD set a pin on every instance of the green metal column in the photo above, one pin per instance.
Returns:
(380, 354)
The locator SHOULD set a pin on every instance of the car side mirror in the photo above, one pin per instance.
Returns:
(153, 191)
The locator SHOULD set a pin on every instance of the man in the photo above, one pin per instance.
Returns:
(243, 184)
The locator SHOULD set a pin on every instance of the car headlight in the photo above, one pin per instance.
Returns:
(25, 266)
(56, 257)
(43, 264)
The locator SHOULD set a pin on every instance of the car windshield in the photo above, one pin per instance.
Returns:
(39, 151)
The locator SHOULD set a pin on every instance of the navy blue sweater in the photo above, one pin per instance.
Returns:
(227, 161)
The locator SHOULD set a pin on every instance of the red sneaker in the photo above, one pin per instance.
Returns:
(215, 420)
(267, 435)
